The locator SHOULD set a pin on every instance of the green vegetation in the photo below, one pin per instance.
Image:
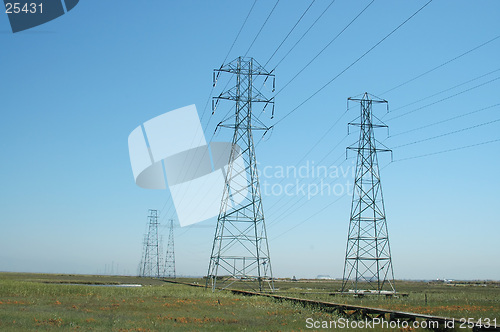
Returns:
(77, 302)
(35, 302)
(455, 300)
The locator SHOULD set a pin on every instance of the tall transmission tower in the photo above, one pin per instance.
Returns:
(240, 249)
(368, 264)
(170, 256)
(151, 258)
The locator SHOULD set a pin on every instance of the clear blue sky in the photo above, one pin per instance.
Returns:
(73, 89)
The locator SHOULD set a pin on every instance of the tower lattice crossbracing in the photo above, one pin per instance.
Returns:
(240, 252)
(368, 264)
(170, 256)
(151, 263)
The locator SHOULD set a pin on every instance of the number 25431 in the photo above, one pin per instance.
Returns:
(16, 8)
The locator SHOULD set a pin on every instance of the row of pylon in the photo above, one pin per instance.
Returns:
(152, 263)
(240, 254)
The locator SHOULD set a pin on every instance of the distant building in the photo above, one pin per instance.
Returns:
(442, 281)
(324, 276)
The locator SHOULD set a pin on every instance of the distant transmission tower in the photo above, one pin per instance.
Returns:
(170, 257)
(368, 264)
(240, 250)
(151, 258)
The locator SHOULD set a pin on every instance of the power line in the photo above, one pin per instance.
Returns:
(197, 168)
(204, 153)
(212, 89)
(226, 117)
(163, 207)
(225, 58)
(294, 186)
(262, 27)
(316, 144)
(397, 134)
(307, 219)
(439, 152)
(324, 48)
(441, 100)
(443, 91)
(444, 151)
(318, 91)
(332, 41)
(353, 63)
(305, 33)
(448, 150)
(441, 65)
(227, 55)
(282, 215)
(237, 35)
(414, 157)
(445, 120)
(337, 121)
(293, 28)
(447, 134)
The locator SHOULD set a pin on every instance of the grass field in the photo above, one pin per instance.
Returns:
(47, 302)
(76, 302)
(454, 300)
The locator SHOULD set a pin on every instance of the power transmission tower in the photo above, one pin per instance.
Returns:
(170, 257)
(240, 249)
(368, 264)
(151, 259)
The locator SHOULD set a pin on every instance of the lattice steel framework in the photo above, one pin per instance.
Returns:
(170, 256)
(240, 249)
(368, 264)
(151, 265)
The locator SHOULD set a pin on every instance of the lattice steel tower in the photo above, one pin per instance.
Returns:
(151, 265)
(240, 249)
(368, 264)
(170, 256)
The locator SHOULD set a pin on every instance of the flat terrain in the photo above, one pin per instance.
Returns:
(77, 302)
(455, 300)
(47, 302)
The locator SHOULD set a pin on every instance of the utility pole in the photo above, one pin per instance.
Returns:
(240, 251)
(151, 259)
(368, 264)
(170, 257)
